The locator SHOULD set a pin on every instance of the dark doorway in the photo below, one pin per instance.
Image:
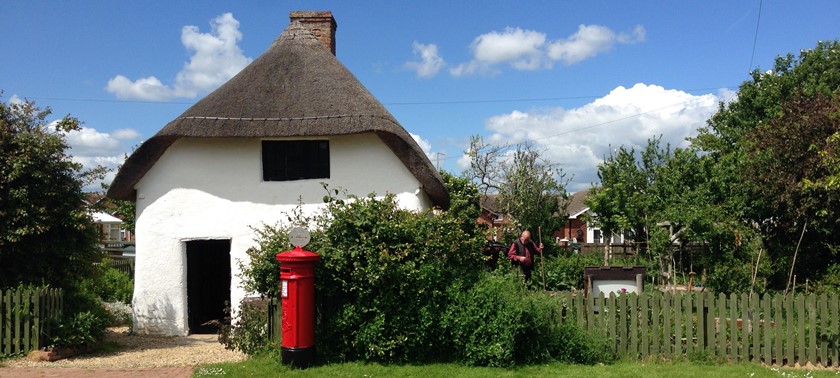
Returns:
(208, 283)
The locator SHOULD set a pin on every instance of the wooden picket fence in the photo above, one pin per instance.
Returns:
(770, 329)
(25, 318)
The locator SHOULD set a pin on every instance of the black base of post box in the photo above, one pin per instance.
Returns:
(298, 357)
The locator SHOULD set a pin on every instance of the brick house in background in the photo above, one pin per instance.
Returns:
(575, 230)
(493, 218)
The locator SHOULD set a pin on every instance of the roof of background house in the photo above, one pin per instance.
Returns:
(100, 217)
(297, 88)
(489, 202)
(576, 206)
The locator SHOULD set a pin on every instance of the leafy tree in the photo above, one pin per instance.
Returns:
(529, 187)
(623, 201)
(670, 201)
(465, 203)
(46, 234)
(774, 155)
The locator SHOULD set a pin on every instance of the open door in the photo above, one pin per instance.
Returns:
(208, 283)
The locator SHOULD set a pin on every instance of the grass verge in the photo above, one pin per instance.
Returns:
(264, 366)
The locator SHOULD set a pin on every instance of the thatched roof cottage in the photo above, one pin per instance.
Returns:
(245, 155)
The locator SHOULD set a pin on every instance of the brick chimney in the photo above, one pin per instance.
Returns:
(320, 23)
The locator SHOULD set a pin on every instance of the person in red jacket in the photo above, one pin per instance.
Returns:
(522, 253)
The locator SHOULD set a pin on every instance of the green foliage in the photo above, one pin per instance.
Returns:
(108, 283)
(566, 272)
(672, 201)
(465, 202)
(623, 200)
(773, 154)
(250, 334)
(260, 273)
(498, 322)
(829, 282)
(46, 234)
(384, 276)
(83, 323)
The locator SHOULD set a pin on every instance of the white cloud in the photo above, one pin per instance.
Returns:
(579, 138)
(522, 49)
(216, 57)
(93, 148)
(424, 144)
(124, 134)
(430, 61)
(530, 50)
(464, 162)
(590, 40)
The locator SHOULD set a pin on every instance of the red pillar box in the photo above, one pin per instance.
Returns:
(297, 294)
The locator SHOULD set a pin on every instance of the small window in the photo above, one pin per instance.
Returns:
(289, 160)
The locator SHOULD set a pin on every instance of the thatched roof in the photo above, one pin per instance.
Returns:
(296, 88)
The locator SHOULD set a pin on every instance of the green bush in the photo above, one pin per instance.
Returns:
(250, 334)
(83, 323)
(109, 284)
(260, 273)
(566, 272)
(498, 322)
(384, 277)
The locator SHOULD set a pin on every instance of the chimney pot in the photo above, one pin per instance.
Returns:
(320, 23)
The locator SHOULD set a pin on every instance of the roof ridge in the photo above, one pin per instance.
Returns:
(213, 118)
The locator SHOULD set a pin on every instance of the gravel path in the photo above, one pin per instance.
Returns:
(140, 351)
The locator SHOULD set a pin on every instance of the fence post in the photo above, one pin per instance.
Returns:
(667, 329)
(3, 332)
(835, 325)
(633, 298)
(767, 328)
(755, 328)
(778, 349)
(722, 325)
(800, 329)
(8, 307)
(812, 328)
(709, 314)
(655, 324)
(745, 328)
(733, 326)
(823, 344)
(700, 320)
(688, 311)
(26, 299)
(644, 324)
(621, 316)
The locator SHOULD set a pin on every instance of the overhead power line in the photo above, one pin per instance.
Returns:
(395, 103)
(755, 37)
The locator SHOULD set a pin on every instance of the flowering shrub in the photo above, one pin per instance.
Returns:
(120, 313)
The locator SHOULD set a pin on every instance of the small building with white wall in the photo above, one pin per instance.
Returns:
(247, 154)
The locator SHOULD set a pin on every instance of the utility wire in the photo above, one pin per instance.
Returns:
(755, 37)
(597, 124)
(453, 102)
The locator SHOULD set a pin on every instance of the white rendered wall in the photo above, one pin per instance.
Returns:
(213, 189)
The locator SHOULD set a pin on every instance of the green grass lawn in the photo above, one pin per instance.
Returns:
(268, 367)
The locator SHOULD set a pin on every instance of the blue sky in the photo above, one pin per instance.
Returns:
(577, 79)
